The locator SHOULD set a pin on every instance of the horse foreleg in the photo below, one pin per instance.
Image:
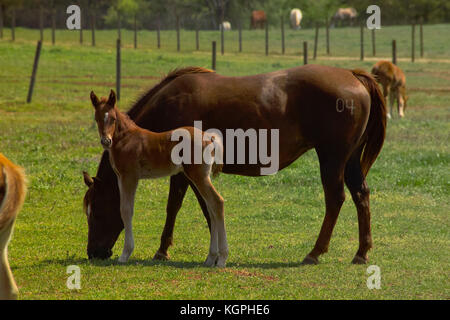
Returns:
(8, 287)
(178, 187)
(332, 175)
(127, 187)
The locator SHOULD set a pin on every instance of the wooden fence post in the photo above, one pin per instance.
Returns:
(421, 38)
(413, 31)
(81, 26)
(158, 35)
(373, 43)
(394, 52)
(282, 36)
(240, 35)
(93, 26)
(53, 26)
(316, 40)
(41, 22)
(327, 26)
(305, 52)
(197, 37)
(1, 22)
(13, 23)
(118, 70)
(119, 23)
(33, 74)
(267, 38)
(362, 42)
(222, 40)
(135, 32)
(214, 55)
(178, 33)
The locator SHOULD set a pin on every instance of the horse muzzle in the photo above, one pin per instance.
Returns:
(99, 253)
(106, 142)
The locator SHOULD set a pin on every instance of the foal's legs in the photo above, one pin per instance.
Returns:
(400, 103)
(218, 250)
(356, 183)
(386, 93)
(332, 174)
(127, 187)
(178, 187)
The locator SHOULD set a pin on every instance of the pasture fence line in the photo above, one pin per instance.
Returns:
(289, 42)
(34, 72)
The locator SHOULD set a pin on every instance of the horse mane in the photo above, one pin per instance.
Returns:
(139, 105)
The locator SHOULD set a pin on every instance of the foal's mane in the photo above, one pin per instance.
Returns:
(140, 104)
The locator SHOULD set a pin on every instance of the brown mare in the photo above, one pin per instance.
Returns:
(393, 81)
(304, 103)
(136, 153)
(12, 195)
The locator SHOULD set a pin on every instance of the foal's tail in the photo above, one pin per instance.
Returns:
(376, 126)
(12, 181)
(217, 165)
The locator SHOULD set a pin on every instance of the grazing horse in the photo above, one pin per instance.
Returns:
(338, 112)
(342, 15)
(258, 19)
(225, 25)
(296, 18)
(12, 195)
(136, 153)
(393, 81)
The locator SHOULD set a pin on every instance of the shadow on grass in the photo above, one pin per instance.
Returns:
(168, 263)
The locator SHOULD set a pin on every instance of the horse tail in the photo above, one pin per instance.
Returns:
(217, 165)
(375, 132)
(12, 196)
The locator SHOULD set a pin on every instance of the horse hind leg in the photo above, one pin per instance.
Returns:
(332, 175)
(178, 187)
(8, 287)
(356, 183)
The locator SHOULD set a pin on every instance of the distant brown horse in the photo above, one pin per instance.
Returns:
(136, 153)
(393, 81)
(12, 195)
(258, 19)
(338, 112)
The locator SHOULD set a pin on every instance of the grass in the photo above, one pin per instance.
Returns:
(272, 222)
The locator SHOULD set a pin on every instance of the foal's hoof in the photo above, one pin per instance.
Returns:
(161, 256)
(309, 260)
(359, 260)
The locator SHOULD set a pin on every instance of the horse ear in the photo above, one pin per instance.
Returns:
(112, 99)
(87, 179)
(94, 99)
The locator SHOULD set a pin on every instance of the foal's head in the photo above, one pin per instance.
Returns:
(105, 116)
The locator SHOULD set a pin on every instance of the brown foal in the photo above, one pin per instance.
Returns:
(137, 153)
(393, 81)
(12, 196)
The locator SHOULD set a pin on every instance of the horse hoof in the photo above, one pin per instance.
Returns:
(123, 259)
(211, 261)
(359, 260)
(161, 256)
(309, 261)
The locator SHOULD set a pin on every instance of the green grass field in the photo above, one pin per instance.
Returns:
(272, 222)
